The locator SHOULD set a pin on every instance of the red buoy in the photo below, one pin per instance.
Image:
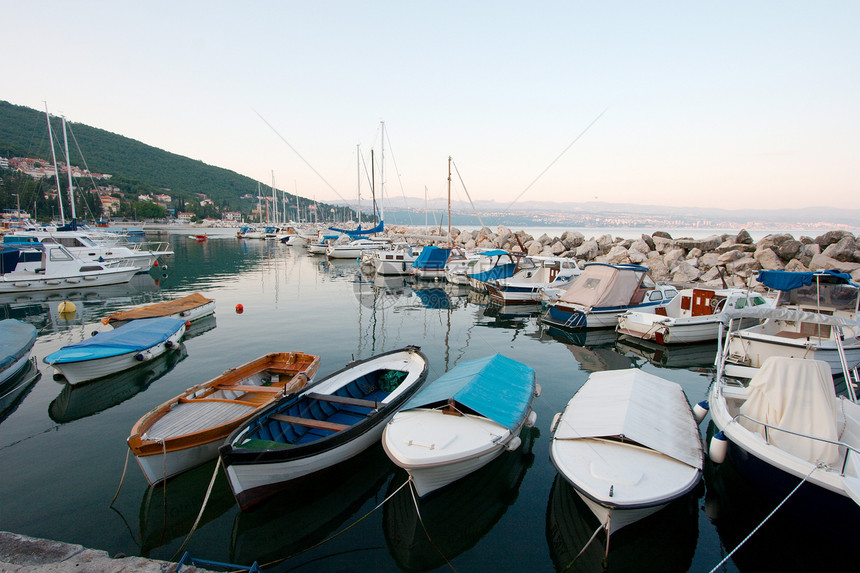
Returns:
(155, 264)
(239, 309)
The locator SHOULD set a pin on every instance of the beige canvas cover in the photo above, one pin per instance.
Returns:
(796, 394)
(160, 308)
(640, 407)
(603, 285)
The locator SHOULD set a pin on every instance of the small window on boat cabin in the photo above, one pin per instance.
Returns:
(655, 295)
(670, 293)
(60, 255)
(758, 301)
(742, 303)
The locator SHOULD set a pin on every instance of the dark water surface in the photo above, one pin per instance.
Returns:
(62, 449)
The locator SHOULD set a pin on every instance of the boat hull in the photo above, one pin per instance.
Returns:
(749, 350)
(663, 330)
(16, 282)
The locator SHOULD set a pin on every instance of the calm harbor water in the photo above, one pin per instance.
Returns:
(62, 449)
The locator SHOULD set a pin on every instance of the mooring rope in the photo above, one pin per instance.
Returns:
(424, 527)
(202, 508)
(344, 530)
(601, 527)
(122, 479)
(757, 527)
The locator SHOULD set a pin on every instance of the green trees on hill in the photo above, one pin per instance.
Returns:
(136, 168)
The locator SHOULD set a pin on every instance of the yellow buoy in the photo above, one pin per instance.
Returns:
(66, 307)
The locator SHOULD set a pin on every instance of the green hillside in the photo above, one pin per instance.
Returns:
(135, 167)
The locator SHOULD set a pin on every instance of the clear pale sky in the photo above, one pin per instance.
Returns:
(717, 104)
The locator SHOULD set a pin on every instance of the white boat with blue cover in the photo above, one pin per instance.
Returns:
(16, 341)
(462, 421)
(604, 291)
(526, 285)
(494, 265)
(116, 350)
(430, 264)
(325, 424)
(628, 444)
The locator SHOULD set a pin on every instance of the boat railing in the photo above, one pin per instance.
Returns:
(151, 246)
(768, 427)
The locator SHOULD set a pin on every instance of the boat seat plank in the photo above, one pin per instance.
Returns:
(343, 400)
(309, 422)
(251, 388)
(790, 334)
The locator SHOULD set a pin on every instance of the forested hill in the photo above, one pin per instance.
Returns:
(24, 133)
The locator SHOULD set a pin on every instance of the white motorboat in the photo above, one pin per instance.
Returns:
(55, 269)
(525, 286)
(88, 247)
(116, 350)
(462, 421)
(604, 291)
(628, 443)
(789, 425)
(354, 249)
(396, 260)
(430, 263)
(784, 333)
(16, 341)
(692, 316)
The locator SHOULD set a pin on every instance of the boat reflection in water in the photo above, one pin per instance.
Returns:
(640, 546)
(167, 513)
(457, 516)
(787, 542)
(311, 510)
(696, 355)
(200, 326)
(593, 349)
(13, 390)
(82, 400)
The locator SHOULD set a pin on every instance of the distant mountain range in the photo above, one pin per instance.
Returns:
(23, 132)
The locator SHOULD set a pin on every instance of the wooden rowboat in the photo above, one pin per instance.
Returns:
(189, 307)
(186, 431)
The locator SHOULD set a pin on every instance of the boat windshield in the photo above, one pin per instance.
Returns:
(830, 296)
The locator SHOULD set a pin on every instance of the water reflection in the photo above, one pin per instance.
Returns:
(665, 541)
(15, 389)
(594, 349)
(82, 400)
(167, 512)
(308, 513)
(457, 516)
(698, 355)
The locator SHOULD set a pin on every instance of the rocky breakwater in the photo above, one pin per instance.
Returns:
(708, 261)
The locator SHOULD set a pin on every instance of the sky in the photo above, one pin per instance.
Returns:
(731, 104)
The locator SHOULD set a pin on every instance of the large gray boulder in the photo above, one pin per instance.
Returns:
(789, 249)
(685, 272)
(769, 260)
(843, 250)
(706, 244)
(587, 250)
(744, 238)
(831, 237)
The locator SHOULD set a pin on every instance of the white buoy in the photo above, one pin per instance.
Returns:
(531, 419)
(719, 448)
(700, 410)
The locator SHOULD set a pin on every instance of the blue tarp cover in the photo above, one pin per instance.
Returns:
(788, 280)
(16, 340)
(493, 253)
(432, 258)
(135, 336)
(496, 387)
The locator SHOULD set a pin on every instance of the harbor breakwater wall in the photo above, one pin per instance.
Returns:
(708, 261)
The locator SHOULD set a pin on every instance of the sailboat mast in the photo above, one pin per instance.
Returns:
(298, 212)
(259, 204)
(56, 172)
(373, 187)
(274, 200)
(69, 169)
(358, 177)
(449, 202)
(381, 171)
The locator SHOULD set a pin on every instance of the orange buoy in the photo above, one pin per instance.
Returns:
(239, 309)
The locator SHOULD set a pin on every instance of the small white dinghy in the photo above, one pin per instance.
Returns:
(628, 444)
(462, 421)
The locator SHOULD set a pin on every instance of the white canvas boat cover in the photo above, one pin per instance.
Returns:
(640, 407)
(602, 285)
(796, 394)
(795, 315)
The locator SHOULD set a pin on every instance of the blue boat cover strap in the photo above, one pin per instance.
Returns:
(134, 336)
(16, 340)
(789, 280)
(495, 387)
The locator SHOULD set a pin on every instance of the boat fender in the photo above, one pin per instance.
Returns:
(93, 333)
(187, 323)
(719, 448)
(169, 344)
(183, 314)
(58, 377)
(139, 357)
(700, 410)
(555, 420)
(538, 390)
(531, 419)
(514, 444)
